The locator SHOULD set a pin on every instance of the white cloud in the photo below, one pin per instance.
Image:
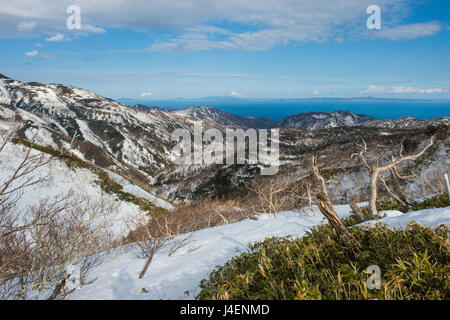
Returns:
(56, 38)
(374, 89)
(410, 31)
(26, 26)
(46, 55)
(32, 53)
(92, 29)
(146, 94)
(316, 93)
(402, 90)
(68, 53)
(168, 74)
(270, 22)
(235, 94)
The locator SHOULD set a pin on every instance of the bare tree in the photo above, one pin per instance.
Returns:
(65, 231)
(447, 184)
(38, 244)
(153, 235)
(14, 246)
(269, 194)
(23, 176)
(169, 226)
(382, 164)
(147, 239)
(308, 192)
(435, 181)
(357, 211)
(275, 194)
(326, 207)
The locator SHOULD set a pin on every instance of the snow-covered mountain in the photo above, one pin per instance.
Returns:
(113, 131)
(79, 182)
(323, 120)
(408, 122)
(225, 118)
(135, 142)
(133, 137)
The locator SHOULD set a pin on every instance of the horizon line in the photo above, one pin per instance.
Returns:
(290, 98)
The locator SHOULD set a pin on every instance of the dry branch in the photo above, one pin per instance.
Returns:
(327, 209)
(376, 169)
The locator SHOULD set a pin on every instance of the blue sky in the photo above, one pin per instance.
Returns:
(254, 49)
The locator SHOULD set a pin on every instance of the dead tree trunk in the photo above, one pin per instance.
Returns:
(447, 184)
(326, 207)
(308, 191)
(395, 162)
(357, 211)
(397, 186)
(147, 264)
(373, 193)
(376, 170)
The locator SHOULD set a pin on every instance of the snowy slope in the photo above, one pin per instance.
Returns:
(171, 277)
(62, 180)
(138, 140)
(138, 191)
(427, 217)
(321, 120)
(44, 136)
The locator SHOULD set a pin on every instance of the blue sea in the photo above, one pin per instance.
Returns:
(278, 109)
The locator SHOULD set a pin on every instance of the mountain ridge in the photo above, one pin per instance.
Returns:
(323, 120)
(135, 142)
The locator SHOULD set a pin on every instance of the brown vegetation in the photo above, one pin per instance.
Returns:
(38, 244)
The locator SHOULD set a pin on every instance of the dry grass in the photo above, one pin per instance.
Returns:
(196, 217)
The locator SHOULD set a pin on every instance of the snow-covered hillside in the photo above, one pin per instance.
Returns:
(179, 276)
(139, 192)
(136, 142)
(63, 180)
(60, 180)
(321, 120)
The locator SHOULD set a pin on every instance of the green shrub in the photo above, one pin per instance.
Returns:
(438, 201)
(414, 263)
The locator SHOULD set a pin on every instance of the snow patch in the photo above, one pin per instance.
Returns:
(170, 277)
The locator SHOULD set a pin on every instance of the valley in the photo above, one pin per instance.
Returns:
(135, 142)
(88, 154)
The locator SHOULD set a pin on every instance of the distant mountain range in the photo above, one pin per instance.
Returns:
(224, 118)
(215, 99)
(136, 141)
(321, 120)
(277, 109)
(303, 120)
